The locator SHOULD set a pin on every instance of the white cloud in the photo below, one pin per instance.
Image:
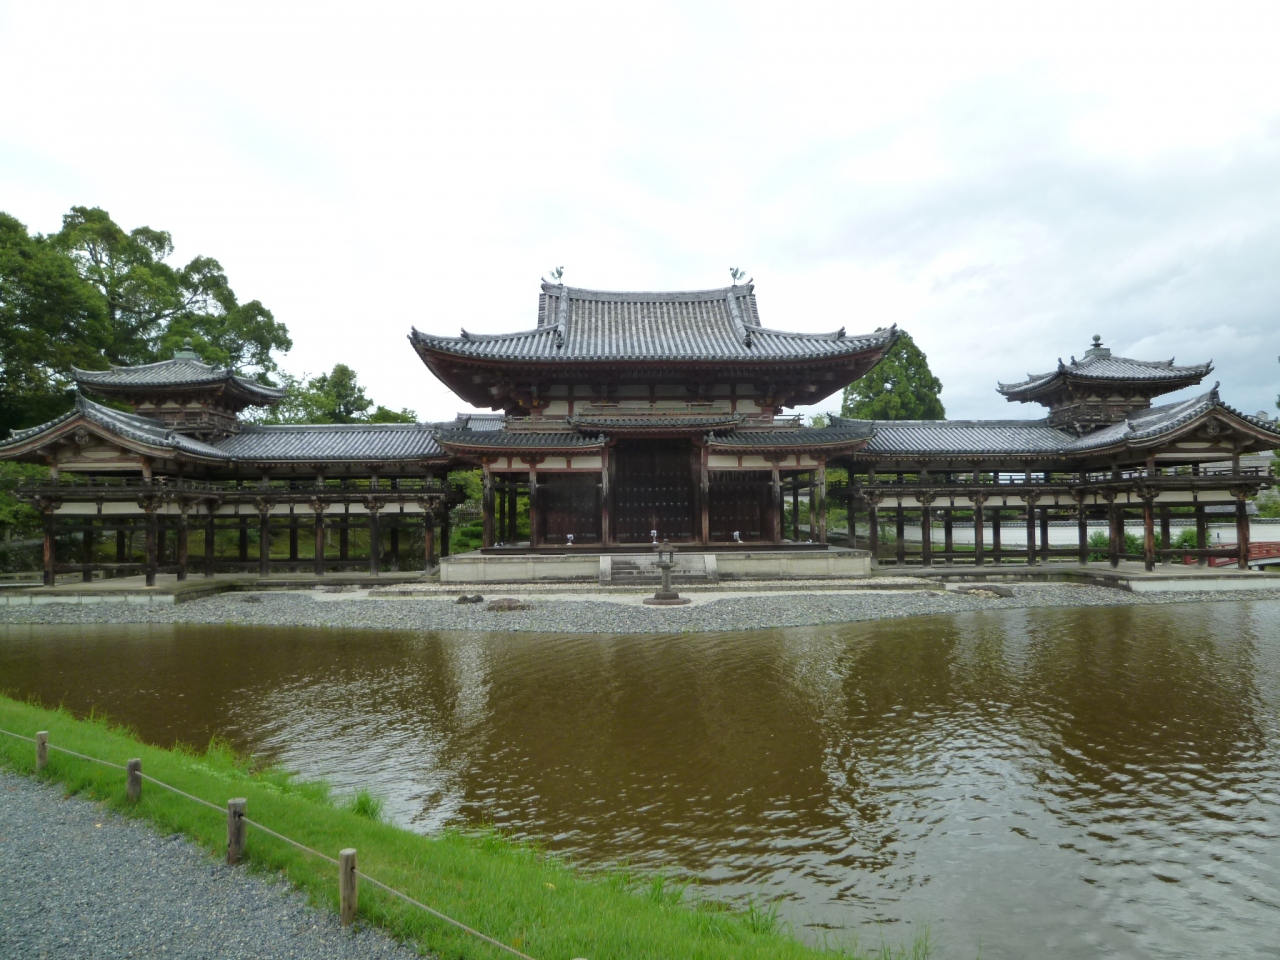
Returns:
(999, 180)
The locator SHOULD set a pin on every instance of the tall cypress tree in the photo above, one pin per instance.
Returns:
(899, 387)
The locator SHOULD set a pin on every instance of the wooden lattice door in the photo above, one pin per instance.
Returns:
(654, 489)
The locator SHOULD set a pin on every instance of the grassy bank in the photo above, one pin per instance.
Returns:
(512, 892)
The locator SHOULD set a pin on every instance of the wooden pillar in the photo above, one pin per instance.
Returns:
(87, 543)
(513, 531)
(776, 478)
(293, 538)
(264, 540)
(873, 532)
(394, 547)
(1202, 534)
(1031, 530)
(535, 508)
(606, 494)
(182, 541)
(1148, 534)
(317, 562)
(795, 507)
(926, 533)
(500, 497)
(995, 535)
(210, 544)
(151, 546)
(1166, 540)
(1044, 534)
(428, 539)
(900, 532)
(486, 505)
(948, 536)
(446, 531)
(50, 549)
(1082, 530)
(1242, 533)
(820, 489)
(244, 538)
(978, 558)
(704, 494)
(375, 538)
(1116, 540)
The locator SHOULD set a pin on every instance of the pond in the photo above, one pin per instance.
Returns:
(1068, 782)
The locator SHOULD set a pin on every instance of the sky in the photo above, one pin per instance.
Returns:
(1002, 181)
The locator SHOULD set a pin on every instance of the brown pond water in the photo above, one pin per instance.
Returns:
(1065, 782)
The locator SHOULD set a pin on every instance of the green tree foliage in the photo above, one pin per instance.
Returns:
(899, 387)
(334, 397)
(49, 320)
(152, 305)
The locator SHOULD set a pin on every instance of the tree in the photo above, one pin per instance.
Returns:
(152, 306)
(335, 397)
(50, 319)
(899, 387)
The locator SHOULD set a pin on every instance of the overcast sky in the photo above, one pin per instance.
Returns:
(1001, 182)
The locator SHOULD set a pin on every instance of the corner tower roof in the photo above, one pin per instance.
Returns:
(1099, 367)
(185, 372)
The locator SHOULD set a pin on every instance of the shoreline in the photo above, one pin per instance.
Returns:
(587, 613)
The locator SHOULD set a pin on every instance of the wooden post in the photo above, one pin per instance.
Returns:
(500, 498)
(948, 536)
(264, 540)
(1116, 542)
(428, 539)
(926, 533)
(900, 532)
(236, 829)
(151, 545)
(821, 490)
(1044, 534)
(317, 560)
(445, 532)
(704, 494)
(375, 538)
(133, 787)
(996, 555)
(873, 532)
(1242, 533)
(344, 533)
(210, 545)
(513, 530)
(182, 541)
(244, 537)
(1031, 530)
(1202, 534)
(776, 491)
(1082, 530)
(978, 558)
(42, 750)
(394, 546)
(1166, 540)
(1148, 534)
(795, 508)
(606, 495)
(348, 889)
(87, 573)
(50, 550)
(293, 538)
(535, 507)
(486, 504)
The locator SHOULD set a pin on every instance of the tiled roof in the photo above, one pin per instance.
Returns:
(334, 441)
(1157, 421)
(722, 324)
(793, 438)
(129, 426)
(657, 422)
(515, 440)
(1101, 366)
(474, 421)
(180, 371)
(961, 437)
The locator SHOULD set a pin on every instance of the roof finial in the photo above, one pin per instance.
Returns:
(1097, 350)
(188, 351)
(736, 274)
(555, 274)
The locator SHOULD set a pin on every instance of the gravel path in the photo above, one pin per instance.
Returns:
(578, 613)
(82, 882)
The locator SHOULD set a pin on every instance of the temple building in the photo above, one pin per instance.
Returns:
(624, 419)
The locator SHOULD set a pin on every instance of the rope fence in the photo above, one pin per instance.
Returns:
(237, 821)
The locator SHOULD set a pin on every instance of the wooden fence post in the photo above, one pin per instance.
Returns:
(134, 789)
(348, 892)
(235, 829)
(42, 750)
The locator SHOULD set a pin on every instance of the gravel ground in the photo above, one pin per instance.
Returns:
(599, 613)
(80, 882)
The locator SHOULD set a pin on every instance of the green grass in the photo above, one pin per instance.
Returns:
(514, 892)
